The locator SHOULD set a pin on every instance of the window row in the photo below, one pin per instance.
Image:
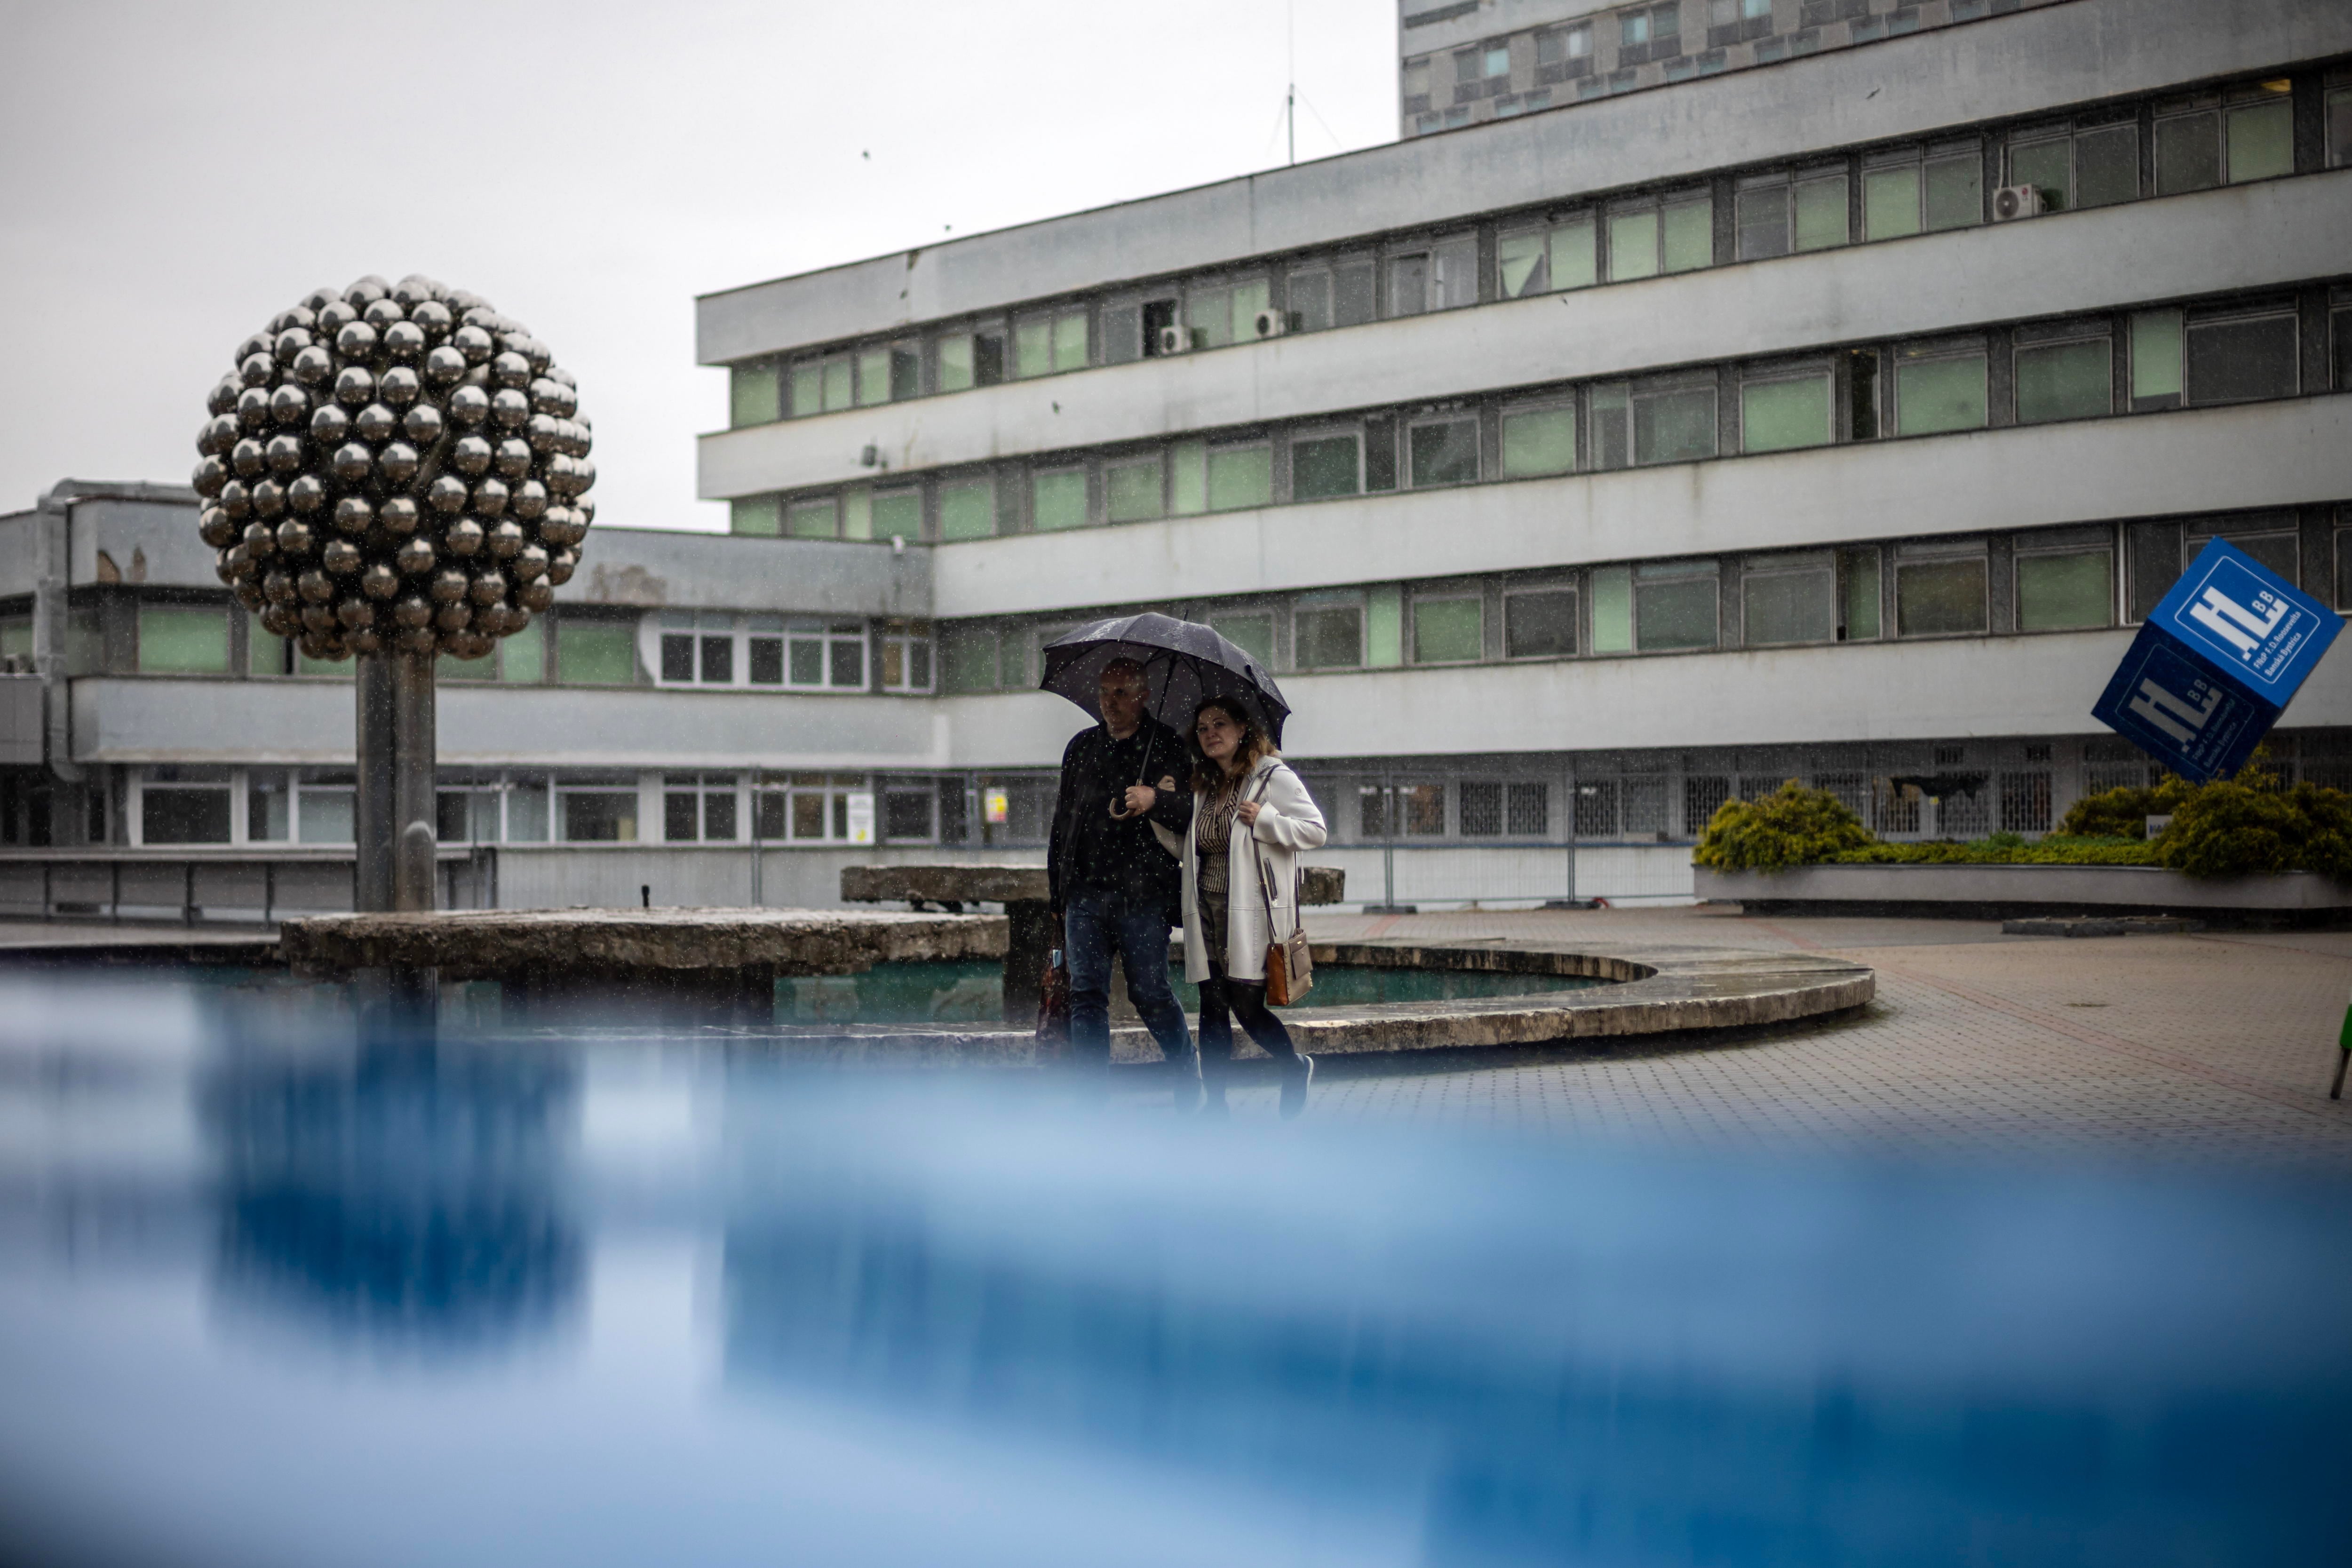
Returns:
(2045, 580)
(571, 646)
(2159, 147)
(179, 804)
(2196, 355)
(1602, 55)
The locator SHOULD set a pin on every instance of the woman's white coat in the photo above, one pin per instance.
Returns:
(1287, 823)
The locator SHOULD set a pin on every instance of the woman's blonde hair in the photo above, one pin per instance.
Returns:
(1252, 747)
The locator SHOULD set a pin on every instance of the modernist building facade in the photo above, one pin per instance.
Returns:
(1829, 412)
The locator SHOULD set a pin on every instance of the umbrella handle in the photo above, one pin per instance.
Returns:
(1118, 812)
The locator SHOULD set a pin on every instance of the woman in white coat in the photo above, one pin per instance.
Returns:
(1251, 816)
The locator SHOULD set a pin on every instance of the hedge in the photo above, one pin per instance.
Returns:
(2231, 828)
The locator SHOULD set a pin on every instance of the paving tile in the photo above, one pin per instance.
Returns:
(2207, 1046)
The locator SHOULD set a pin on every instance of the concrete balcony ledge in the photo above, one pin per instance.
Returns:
(2003, 893)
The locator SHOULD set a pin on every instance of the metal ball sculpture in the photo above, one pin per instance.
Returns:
(394, 467)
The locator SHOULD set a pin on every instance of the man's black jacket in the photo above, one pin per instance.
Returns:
(1089, 851)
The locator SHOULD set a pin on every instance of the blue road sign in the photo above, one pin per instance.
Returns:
(2216, 664)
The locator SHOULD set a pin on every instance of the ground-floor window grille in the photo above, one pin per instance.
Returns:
(1967, 814)
(1703, 796)
(2025, 802)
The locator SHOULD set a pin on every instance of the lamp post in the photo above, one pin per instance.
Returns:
(395, 473)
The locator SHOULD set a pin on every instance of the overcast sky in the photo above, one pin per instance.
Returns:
(172, 175)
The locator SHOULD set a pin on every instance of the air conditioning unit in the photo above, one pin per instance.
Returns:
(1175, 340)
(2016, 202)
(1271, 323)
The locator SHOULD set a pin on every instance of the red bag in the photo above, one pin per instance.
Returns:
(1054, 1006)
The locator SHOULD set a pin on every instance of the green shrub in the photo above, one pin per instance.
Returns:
(1793, 826)
(2231, 827)
(2005, 850)
(2124, 813)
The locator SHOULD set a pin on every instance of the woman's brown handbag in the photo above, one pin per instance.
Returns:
(1289, 962)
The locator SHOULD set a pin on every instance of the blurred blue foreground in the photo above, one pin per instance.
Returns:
(265, 1300)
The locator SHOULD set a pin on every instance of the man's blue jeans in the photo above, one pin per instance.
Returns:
(1096, 924)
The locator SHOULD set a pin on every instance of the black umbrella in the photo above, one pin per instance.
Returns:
(1184, 664)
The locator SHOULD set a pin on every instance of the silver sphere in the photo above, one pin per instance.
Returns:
(433, 433)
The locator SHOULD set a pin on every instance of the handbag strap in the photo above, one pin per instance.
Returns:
(1265, 876)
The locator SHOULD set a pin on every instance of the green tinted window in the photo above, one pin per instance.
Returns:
(1323, 467)
(1070, 341)
(1328, 637)
(446, 667)
(1539, 441)
(1821, 213)
(1252, 634)
(1058, 500)
(757, 515)
(1955, 193)
(1775, 415)
(1033, 347)
(1132, 492)
(808, 390)
(1931, 395)
(1858, 569)
(182, 639)
(1613, 609)
(753, 394)
(858, 512)
(1890, 203)
(2156, 353)
(1781, 607)
(968, 657)
(1239, 476)
(1189, 477)
(815, 520)
(1678, 613)
(2187, 153)
(1249, 299)
(1384, 624)
(1632, 245)
(1689, 239)
(2106, 166)
(1673, 427)
(968, 509)
(955, 363)
(2063, 381)
(2262, 139)
(1935, 598)
(595, 653)
(1575, 258)
(522, 657)
(1445, 454)
(2048, 167)
(899, 514)
(837, 384)
(1447, 631)
(873, 377)
(1520, 264)
(2056, 592)
(264, 654)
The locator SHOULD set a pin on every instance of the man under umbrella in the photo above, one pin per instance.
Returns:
(1114, 888)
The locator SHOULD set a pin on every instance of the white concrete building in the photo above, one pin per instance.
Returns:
(1828, 402)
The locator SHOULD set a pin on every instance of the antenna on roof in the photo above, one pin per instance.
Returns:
(1290, 55)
